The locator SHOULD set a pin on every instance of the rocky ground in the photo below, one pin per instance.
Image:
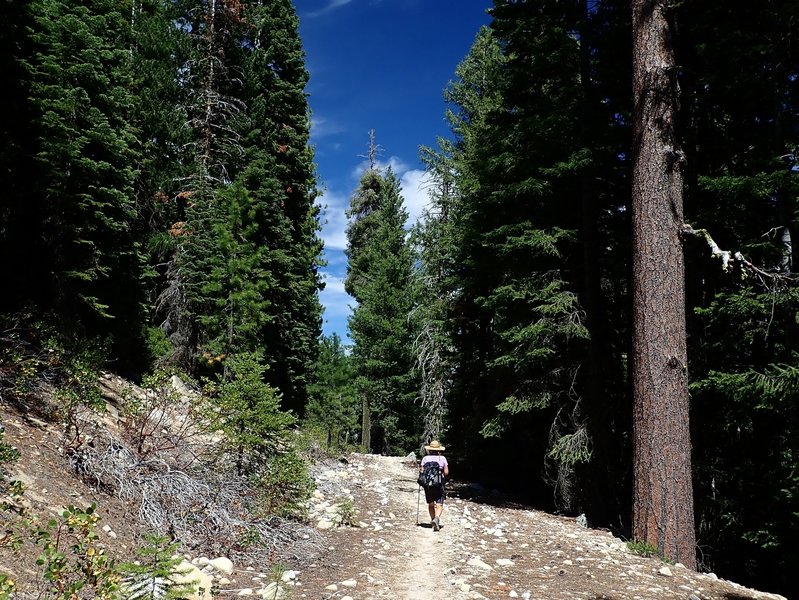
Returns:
(482, 550)
(485, 549)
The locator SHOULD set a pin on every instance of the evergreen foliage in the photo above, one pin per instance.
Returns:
(518, 322)
(381, 280)
(151, 577)
(279, 173)
(333, 405)
(79, 76)
(247, 410)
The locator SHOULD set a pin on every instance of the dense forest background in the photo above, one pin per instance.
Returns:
(158, 211)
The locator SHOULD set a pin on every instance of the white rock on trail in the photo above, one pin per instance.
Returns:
(222, 564)
(504, 562)
(273, 592)
(476, 561)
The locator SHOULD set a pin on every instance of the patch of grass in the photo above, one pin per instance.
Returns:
(647, 550)
(345, 512)
(641, 548)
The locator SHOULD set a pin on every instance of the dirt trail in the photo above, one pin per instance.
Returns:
(484, 550)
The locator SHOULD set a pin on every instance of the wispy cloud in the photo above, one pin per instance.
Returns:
(395, 162)
(334, 219)
(321, 127)
(337, 308)
(415, 191)
(331, 6)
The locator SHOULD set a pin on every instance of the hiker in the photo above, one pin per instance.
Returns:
(434, 495)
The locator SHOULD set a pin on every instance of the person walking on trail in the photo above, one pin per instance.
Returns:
(434, 494)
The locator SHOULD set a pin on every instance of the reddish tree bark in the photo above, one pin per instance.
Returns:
(662, 489)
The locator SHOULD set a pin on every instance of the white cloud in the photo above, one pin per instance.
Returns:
(334, 219)
(334, 285)
(321, 127)
(337, 304)
(396, 163)
(415, 186)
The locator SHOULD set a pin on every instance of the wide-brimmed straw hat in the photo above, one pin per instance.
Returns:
(435, 446)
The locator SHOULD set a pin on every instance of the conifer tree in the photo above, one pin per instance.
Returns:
(232, 274)
(662, 483)
(382, 355)
(739, 101)
(279, 173)
(518, 323)
(333, 405)
(80, 92)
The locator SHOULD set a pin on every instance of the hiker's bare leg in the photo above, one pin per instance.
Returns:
(439, 509)
(431, 508)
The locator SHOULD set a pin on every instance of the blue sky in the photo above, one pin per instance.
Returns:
(382, 65)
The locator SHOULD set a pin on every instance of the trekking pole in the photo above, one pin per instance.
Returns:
(418, 494)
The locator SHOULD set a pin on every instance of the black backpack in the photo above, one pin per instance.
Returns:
(431, 477)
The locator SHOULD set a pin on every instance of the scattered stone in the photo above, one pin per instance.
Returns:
(324, 524)
(288, 575)
(273, 592)
(224, 581)
(223, 564)
(666, 572)
(245, 592)
(199, 582)
(475, 561)
(350, 583)
(504, 562)
(332, 587)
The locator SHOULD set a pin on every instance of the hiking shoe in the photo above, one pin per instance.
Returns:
(436, 525)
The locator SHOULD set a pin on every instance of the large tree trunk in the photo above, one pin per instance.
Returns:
(662, 490)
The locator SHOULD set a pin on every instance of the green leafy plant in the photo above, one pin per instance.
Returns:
(247, 411)
(79, 391)
(159, 420)
(71, 562)
(274, 590)
(158, 344)
(7, 587)
(8, 454)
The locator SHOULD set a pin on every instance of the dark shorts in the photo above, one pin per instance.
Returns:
(435, 495)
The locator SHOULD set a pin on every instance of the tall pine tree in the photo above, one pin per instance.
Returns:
(380, 325)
